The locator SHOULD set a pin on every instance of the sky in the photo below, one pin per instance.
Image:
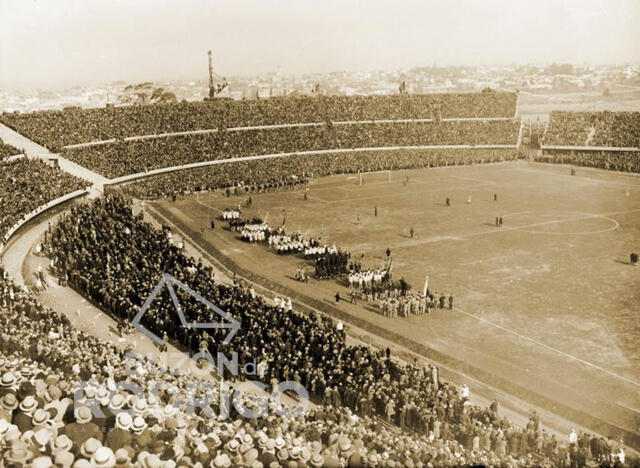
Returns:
(48, 44)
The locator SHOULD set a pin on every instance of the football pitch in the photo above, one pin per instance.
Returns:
(548, 301)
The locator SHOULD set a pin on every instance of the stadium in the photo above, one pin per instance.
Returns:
(353, 238)
(355, 252)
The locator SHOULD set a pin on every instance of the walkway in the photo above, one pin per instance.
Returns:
(35, 150)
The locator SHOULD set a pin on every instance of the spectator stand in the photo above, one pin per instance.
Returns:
(275, 126)
(164, 170)
(56, 129)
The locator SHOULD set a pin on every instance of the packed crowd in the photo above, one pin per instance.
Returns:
(115, 258)
(260, 175)
(26, 184)
(66, 401)
(55, 129)
(614, 129)
(122, 158)
(7, 150)
(626, 161)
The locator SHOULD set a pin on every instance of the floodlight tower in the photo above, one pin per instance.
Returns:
(211, 91)
(216, 83)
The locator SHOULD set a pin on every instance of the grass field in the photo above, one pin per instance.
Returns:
(548, 301)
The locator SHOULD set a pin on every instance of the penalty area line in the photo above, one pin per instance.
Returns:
(550, 348)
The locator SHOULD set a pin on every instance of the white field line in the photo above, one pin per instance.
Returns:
(550, 348)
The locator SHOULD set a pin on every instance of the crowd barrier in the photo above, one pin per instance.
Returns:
(15, 157)
(590, 148)
(41, 209)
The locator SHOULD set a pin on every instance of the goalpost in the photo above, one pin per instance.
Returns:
(386, 174)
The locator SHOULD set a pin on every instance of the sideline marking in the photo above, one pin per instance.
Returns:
(413, 192)
(592, 179)
(550, 348)
(209, 206)
(615, 223)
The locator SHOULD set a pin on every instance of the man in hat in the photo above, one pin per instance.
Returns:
(8, 382)
(268, 455)
(82, 429)
(19, 454)
(103, 458)
(142, 436)
(8, 404)
(120, 436)
(22, 417)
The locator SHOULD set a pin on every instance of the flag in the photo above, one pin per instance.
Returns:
(426, 287)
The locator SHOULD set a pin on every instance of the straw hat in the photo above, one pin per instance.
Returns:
(19, 453)
(89, 447)
(103, 458)
(62, 443)
(139, 425)
(117, 401)
(221, 461)
(8, 380)
(28, 405)
(83, 415)
(123, 421)
(9, 402)
(42, 462)
(40, 417)
(317, 460)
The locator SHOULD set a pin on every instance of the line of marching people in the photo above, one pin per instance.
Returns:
(414, 304)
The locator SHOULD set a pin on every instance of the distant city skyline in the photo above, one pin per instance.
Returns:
(63, 43)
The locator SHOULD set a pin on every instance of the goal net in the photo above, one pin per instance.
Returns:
(373, 177)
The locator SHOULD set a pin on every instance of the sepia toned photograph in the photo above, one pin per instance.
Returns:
(319, 234)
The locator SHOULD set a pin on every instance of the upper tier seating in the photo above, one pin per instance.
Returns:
(55, 129)
(122, 158)
(606, 129)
